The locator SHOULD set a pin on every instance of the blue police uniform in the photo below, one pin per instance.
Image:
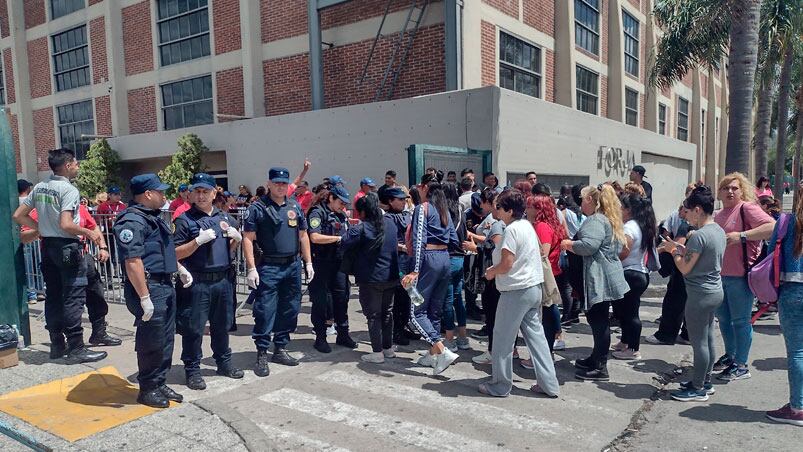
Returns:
(142, 233)
(329, 289)
(401, 304)
(278, 297)
(211, 294)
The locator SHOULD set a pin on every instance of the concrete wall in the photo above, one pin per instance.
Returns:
(551, 139)
(354, 141)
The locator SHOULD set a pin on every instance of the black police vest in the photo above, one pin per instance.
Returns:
(331, 224)
(213, 256)
(275, 236)
(159, 250)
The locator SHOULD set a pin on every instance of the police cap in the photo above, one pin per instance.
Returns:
(202, 180)
(279, 175)
(341, 193)
(144, 182)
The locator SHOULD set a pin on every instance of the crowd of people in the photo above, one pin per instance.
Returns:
(426, 259)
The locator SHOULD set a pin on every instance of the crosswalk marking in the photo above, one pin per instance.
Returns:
(482, 412)
(395, 429)
(297, 441)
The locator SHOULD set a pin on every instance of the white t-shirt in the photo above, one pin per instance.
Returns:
(634, 260)
(527, 271)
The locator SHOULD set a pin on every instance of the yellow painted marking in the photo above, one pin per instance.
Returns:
(79, 406)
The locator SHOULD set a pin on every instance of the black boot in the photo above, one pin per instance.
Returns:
(230, 371)
(153, 398)
(280, 356)
(196, 382)
(80, 354)
(344, 339)
(321, 345)
(57, 346)
(171, 394)
(598, 374)
(261, 368)
(100, 336)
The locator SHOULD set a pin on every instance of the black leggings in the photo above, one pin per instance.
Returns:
(599, 320)
(627, 310)
(490, 299)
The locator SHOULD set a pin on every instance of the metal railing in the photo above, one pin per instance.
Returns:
(110, 271)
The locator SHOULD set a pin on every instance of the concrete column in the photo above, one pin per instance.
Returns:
(253, 74)
(118, 90)
(22, 89)
(694, 123)
(315, 55)
(616, 63)
(453, 18)
(565, 74)
(710, 133)
(723, 121)
(651, 98)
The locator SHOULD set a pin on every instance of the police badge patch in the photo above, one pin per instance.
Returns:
(292, 218)
(126, 235)
(315, 222)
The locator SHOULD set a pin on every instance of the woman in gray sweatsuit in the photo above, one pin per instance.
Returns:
(599, 241)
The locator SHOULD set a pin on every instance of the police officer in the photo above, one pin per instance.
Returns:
(145, 246)
(396, 200)
(63, 264)
(205, 238)
(277, 225)
(329, 290)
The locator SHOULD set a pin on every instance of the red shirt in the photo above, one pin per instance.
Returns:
(176, 203)
(180, 209)
(109, 208)
(304, 200)
(546, 234)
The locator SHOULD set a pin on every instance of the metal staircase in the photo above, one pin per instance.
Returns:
(401, 48)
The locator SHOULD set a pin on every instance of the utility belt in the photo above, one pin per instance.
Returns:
(72, 250)
(212, 276)
(164, 278)
(271, 260)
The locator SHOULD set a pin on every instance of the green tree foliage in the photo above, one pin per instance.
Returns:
(100, 169)
(186, 162)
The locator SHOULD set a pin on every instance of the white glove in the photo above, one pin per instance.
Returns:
(185, 276)
(233, 233)
(310, 271)
(253, 278)
(205, 236)
(147, 307)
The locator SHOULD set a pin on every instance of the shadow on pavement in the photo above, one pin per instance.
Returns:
(719, 412)
(771, 330)
(631, 391)
(768, 364)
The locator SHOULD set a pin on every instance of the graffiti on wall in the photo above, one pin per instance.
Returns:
(615, 162)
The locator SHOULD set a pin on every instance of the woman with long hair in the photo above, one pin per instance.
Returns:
(640, 234)
(377, 274)
(599, 241)
(770, 206)
(432, 232)
(790, 307)
(745, 225)
(454, 308)
(519, 274)
(541, 213)
(763, 187)
(700, 262)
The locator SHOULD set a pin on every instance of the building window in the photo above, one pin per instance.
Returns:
(587, 90)
(71, 59)
(519, 66)
(662, 119)
(187, 103)
(586, 25)
(631, 107)
(60, 8)
(183, 30)
(683, 119)
(75, 120)
(631, 28)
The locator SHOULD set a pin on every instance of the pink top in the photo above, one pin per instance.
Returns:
(765, 192)
(730, 220)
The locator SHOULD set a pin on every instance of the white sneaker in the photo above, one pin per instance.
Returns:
(451, 345)
(463, 343)
(619, 347)
(376, 358)
(559, 344)
(331, 331)
(426, 360)
(389, 352)
(444, 360)
(484, 358)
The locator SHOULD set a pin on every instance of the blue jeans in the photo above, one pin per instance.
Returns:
(454, 296)
(790, 308)
(734, 318)
(276, 304)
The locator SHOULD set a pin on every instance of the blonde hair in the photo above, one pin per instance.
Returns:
(632, 188)
(745, 187)
(607, 203)
(409, 201)
(100, 198)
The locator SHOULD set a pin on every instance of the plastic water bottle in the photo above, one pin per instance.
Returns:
(415, 296)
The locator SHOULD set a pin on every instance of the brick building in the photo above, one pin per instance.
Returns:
(124, 67)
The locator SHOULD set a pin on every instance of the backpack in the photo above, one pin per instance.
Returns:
(765, 277)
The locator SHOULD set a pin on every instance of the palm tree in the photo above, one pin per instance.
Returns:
(699, 33)
(766, 75)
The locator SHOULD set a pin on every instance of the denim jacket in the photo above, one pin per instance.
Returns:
(791, 266)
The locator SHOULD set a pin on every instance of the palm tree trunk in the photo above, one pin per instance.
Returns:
(763, 120)
(798, 135)
(784, 87)
(742, 60)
